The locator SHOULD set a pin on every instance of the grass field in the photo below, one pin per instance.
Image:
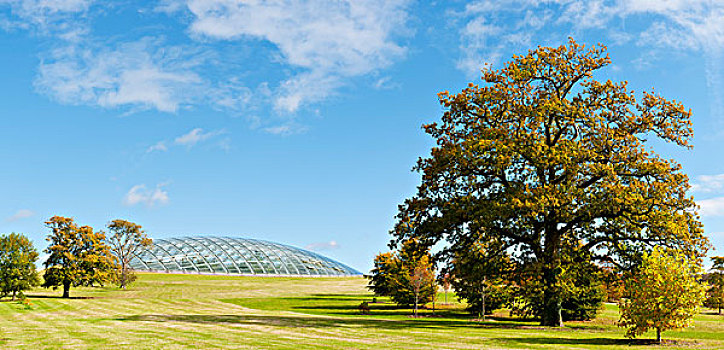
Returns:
(196, 311)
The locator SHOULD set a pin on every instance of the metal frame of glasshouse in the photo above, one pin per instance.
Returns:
(235, 256)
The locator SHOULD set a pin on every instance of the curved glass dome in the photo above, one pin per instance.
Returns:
(241, 256)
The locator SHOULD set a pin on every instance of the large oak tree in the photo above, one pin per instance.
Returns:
(543, 156)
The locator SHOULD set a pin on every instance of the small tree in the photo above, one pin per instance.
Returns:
(479, 270)
(127, 239)
(17, 265)
(422, 278)
(78, 256)
(394, 274)
(663, 294)
(380, 276)
(715, 294)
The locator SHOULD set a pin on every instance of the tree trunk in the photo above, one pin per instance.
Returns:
(483, 298)
(415, 310)
(433, 305)
(552, 298)
(551, 316)
(66, 289)
(658, 335)
(13, 295)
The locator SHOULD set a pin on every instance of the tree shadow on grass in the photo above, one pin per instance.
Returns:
(592, 341)
(30, 296)
(342, 296)
(712, 313)
(303, 321)
(332, 322)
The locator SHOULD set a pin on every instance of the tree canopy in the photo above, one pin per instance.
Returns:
(17, 264)
(542, 157)
(78, 256)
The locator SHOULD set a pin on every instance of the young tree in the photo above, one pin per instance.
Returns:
(399, 275)
(17, 265)
(543, 156)
(480, 270)
(127, 239)
(715, 294)
(422, 278)
(78, 256)
(663, 294)
(385, 265)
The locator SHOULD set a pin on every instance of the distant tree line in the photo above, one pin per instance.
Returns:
(77, 256)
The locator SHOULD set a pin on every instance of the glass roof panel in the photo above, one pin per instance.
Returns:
(228, 255)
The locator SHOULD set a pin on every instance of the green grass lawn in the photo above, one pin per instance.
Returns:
(194, 311)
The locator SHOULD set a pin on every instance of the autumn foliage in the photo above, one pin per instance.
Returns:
(17, 265)
(126, 240)
(78, 256)
(663, 294)
(406, 276)
(544, 156)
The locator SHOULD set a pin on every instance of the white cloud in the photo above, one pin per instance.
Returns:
(195, 136)
(65, 21)
(286, 129)
(21, 214)
(47, 15)
(327, 40)
(191, 139)
(708, 183)
(494, 28)
(711, 207)
(318, 44)
(141, 74)
(385, 83)
(159, 146)
(323, 245)
(140, 194)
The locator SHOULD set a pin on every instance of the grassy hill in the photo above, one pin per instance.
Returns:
(198, 311)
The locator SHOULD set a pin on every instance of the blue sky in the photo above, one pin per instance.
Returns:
(296, 121)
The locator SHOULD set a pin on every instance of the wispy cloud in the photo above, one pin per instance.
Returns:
(141, 74)
(711, 207)
(493, 28)
(385, 83)
(327, 40)
(59, 17)
(323, 245)
(195, 136)
(708, 183)
(140, 194)
(286, 129)
(159, 146)
(21, 214)
(712, 186)
(191, 139)
(318, 47)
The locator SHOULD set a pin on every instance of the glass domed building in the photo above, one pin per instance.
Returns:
(235, 256)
